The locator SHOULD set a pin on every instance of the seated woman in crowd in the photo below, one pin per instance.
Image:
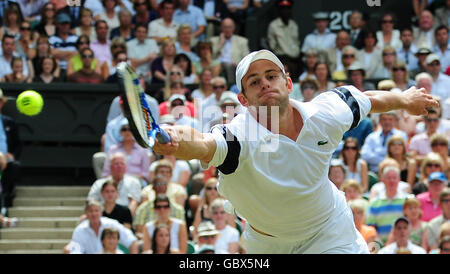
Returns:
(161, 65)
(47, 67)
(113, 210)
(388, 36)
(370, 54)
(396, 148)
(439, 145)
(86, 25)
(177, 88)
(17, 75)
(310, 60)
(11, 21)
(177, 228)
(42, 50)
(76, 63)
(46, 26)
(183, 61)
(205, 88)
(431, 163)
(110, 241)
(161, 241)
(202, 213)
(26, 44)
(400, 76)
(349, 57)
(323, 76)
(205, 51)
(138, 160)
(184, 43)
(356, 167)
(109, 14)
(117, 45)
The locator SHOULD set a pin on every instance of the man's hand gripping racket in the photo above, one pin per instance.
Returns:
(142, 124)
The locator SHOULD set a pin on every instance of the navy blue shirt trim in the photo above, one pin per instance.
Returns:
(348, 98)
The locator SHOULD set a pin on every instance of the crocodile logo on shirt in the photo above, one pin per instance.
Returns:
(321, 143)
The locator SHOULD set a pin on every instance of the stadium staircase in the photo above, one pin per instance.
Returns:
(47, 217)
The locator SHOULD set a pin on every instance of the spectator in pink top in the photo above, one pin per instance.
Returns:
(430, 200)
(137, 158)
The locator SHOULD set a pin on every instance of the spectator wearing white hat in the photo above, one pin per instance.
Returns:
(321, 38)
(229, 107)
(441, 82)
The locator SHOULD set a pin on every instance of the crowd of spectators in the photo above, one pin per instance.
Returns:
(393, 167)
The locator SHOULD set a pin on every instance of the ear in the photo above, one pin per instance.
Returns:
(289, 84)
(242, 99)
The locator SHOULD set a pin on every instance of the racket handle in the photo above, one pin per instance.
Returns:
(162, 136)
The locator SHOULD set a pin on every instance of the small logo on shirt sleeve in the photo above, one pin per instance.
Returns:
(321, 143)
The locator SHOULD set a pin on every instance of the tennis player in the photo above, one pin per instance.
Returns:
(284, 194)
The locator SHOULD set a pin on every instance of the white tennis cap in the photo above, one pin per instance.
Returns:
(245, 63)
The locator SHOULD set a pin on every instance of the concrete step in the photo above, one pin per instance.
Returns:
(63, 201)
(48, 222)
(46, 211)
(10, 245)
(35, 251)
(52, 191)
(36, 233)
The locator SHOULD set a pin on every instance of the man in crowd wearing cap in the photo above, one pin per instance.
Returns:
(374, 149)
(406, 52)
(282, 36)
(177, 107)
(229, 48)
(296, 209)
(431, 236)
(63, 42)
(206, 235)
(402, 244)
(442, 48)
(321, 38)
(421, 55)
(387, 205)
(11, 148)
(429, 201)
(229, 107)
(441, 82)
(356, 74)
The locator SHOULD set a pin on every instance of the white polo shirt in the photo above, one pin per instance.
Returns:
(129, 187)
(286, 193)
(85, 241)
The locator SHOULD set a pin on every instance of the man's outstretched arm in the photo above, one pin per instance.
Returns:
(187, 143)
(414, 101)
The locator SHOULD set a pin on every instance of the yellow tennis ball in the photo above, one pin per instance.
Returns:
(29, 102)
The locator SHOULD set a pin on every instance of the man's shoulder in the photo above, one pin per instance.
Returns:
(130, 180)
(240, 38)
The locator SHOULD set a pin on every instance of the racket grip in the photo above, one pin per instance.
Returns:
(162, 136)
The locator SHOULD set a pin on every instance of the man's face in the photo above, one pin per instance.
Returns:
(63, 28)
(442, 37)
(227, 27)
(141, 33)
(8, 46)
(118, 167)
(336, 175)
(102, 31)
(407, 38)
(342, 40)
(167, 11)
(160, 187)
(432, 122)
(402, 231)
(110, 241)
(355, 20)
(164, 171)
(434, 68)
(387, 122)
(219, 87)
(321, 25)
(426, 20)
(435, 187)
(391, 180)
(264, 85)
(93, 213)
(425, 83)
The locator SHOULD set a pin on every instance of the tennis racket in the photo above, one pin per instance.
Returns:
(142, 124)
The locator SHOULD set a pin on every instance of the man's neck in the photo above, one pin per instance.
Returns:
(102, 41)
(406, 47)
(402, 243)
(443, 47)
(95, 226)
(391, 194)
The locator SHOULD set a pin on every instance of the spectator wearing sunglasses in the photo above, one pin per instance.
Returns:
(400, 76)
(177, 227)
(209, 194)
(389, 56)
(356, 167)
(388, 36)
(76, 62)
(86, 74)
(420, 143)
(439, 145)
(431, 163)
